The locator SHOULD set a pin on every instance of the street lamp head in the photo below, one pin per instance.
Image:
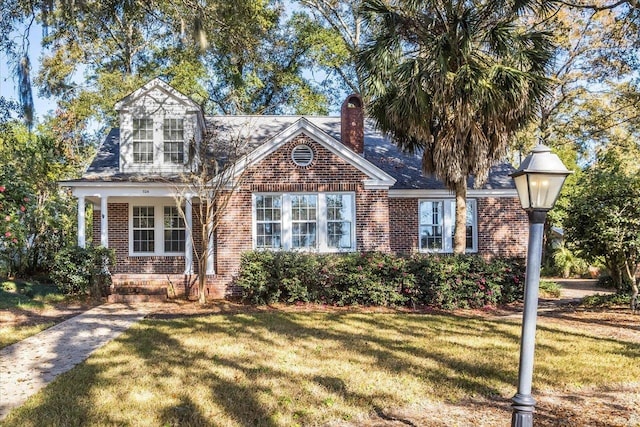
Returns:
(539, 179)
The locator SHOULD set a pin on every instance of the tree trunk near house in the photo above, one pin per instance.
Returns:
(460, 236)
(202, 279)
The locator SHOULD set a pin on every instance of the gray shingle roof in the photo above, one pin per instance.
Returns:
(257, 130)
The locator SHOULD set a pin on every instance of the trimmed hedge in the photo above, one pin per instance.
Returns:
(379, 279)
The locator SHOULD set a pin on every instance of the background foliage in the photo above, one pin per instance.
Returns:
(603, 220)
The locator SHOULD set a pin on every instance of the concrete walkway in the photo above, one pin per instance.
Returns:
(574, 290)
(29, 365)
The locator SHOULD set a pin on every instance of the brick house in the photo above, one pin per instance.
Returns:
(321, 184)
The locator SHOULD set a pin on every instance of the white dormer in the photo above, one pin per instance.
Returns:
(159, 126)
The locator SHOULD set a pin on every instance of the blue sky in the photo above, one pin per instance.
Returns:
(8, 83)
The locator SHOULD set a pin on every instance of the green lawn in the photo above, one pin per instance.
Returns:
(20, 296)
(27, 295)
(287, 369)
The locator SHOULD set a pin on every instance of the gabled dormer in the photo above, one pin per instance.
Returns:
(160, 128)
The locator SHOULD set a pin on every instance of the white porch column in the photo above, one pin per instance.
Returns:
(81, 222)
(104, 222)
(210, 250)
(188, 242)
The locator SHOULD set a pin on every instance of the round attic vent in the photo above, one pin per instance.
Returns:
(302, 155)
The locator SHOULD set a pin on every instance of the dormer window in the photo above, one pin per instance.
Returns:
(158, 125)
(142, 141)
(173, 141)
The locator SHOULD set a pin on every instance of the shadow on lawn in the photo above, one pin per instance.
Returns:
(252, 389)
(566, 315)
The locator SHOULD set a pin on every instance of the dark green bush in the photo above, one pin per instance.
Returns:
(379, 279)
(78, 271)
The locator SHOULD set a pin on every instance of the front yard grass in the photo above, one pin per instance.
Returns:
(314, 368)
(28, 295)
(21, 298)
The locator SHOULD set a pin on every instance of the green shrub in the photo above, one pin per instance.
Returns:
(568, 264)
(78, 271)
(606, 300)
(467, 281)
(379, 279)
(549, 289)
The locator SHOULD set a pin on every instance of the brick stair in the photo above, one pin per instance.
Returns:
(138, 294)
(148, 287)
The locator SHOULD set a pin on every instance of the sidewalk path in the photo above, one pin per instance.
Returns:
(29, 365)
(573, 290)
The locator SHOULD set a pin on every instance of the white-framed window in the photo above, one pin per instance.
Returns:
(143, 224)
(323, 222)
(436, 225)
(156, 229)
(143, 141)
(157, 142)
(173, 146)
(340, 221)
(175, 230)
(268, 221)
(304, 221)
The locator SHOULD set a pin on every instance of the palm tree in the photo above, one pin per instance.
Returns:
(454, 80)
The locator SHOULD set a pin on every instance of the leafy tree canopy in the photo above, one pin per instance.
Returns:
(454, 81)
(36, 215)
(603, 218)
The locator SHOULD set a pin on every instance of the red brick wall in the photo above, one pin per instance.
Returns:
(119, 241)
(403, 214)
(278, 173)
(502, 226)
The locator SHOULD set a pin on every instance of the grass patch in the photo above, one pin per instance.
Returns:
(12, 334)
(549, 289)
(287, 369)
(28, 295)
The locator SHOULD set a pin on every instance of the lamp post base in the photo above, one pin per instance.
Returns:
(523, 406)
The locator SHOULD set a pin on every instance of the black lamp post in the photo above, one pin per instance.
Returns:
(538, 182)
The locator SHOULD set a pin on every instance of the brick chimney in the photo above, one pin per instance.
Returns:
(352, 123)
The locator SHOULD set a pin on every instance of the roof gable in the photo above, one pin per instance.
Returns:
(377, 178)
(157, 92)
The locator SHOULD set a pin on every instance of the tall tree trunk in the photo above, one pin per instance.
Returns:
(460, 237)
